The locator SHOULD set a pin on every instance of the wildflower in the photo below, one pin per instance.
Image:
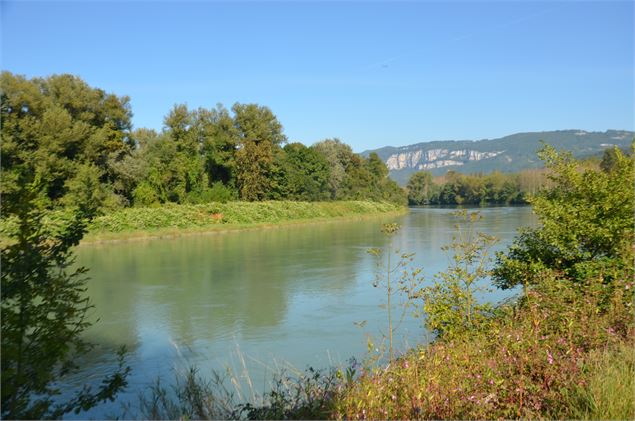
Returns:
(549, 357)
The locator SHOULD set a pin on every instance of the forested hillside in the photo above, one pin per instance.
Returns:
(77, 142)
(512, 153)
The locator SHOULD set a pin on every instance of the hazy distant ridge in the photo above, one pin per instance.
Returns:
(507, 154)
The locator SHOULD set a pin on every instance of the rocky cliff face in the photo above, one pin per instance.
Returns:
(510, 153)
(435, 158)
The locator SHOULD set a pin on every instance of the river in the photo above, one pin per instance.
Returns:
(288, 296)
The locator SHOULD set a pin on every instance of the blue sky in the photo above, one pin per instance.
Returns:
(371, 73)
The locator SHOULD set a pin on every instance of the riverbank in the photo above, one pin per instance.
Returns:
(172, 220)
(558, 353)
(563, 349)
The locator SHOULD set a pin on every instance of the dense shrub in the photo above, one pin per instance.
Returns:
(535, 360)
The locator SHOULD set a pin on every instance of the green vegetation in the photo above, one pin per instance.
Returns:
(173, 219)
(44, 310)
(400, 284)
(79, 143)
(450, 304)
(231, 215)
(69, 154)
(587, 223)
(563, 349)
(514, 153)
(537, 359)
(460, 189)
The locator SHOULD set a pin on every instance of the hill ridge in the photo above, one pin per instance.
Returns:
(509, 153)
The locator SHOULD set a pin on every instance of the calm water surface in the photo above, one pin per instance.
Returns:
(270, 297)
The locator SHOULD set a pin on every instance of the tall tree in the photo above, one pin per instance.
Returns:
(219, 139)
(419, 188)
(54, 125)
(338, 155)
(259, 133)
(306, 173)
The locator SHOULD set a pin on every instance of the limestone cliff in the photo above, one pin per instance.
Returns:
(507, 154)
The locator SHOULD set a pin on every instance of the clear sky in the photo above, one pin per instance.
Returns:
(371, 73)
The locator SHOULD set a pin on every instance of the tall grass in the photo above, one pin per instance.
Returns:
(216, 215)
(561, 353)
(174, 218)
(291, 395)
(610, 390)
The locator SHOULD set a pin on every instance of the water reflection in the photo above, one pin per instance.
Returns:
(289, 293)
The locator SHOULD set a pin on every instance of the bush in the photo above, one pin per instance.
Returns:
(586, 221)
(450, 304)
(534, 360)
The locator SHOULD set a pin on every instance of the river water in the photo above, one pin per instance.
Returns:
(264, 299)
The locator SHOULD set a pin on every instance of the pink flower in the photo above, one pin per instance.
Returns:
(549, 357)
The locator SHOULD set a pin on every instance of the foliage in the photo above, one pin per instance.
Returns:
(450, 304)
(85, 187)
(610, 374)
(586, 218)
(78, 140)
(52, 126)
(44, 310)
(223, 215)
(557, 351)
(337, 155)
(259, 133)
(533, 361)
(307, 395)
(305, 173)
(455, 188)
(420, 188)
(192, 397)
(393, 275)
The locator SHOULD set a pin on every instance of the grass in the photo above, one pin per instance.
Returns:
(171, 219)
(563, 351)
(610, 391)
(559, 354)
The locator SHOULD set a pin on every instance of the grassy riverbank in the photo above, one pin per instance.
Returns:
(174, 220)
(562, 350)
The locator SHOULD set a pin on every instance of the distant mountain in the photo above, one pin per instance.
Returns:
(507, 154)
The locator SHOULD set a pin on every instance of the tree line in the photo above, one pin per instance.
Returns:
(456, 189)
(79, 142)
